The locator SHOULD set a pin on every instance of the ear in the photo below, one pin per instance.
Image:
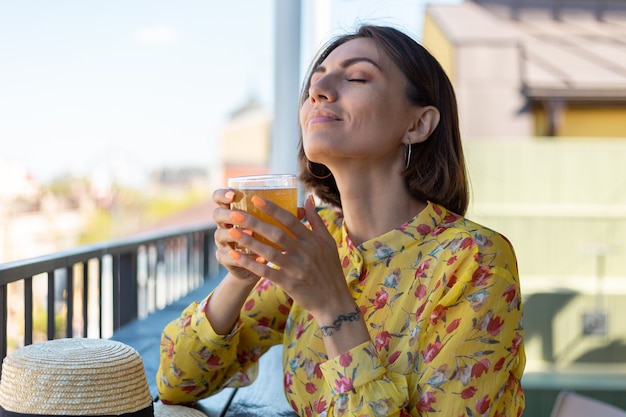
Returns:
(424, 123)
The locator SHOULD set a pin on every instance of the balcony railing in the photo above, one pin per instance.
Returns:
(97, 289)
(100, 290)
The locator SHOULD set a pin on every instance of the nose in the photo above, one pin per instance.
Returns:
(322, 89)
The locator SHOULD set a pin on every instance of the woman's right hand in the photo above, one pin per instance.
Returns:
(224, 241)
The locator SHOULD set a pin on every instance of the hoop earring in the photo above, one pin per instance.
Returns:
(407, 156)
(308, 163)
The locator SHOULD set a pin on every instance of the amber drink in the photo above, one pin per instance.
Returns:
(281, 189)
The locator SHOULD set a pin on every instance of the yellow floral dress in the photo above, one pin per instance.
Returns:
(441, 299)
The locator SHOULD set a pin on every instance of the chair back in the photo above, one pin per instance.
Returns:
(570, 404)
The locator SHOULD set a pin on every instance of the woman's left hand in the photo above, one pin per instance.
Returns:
(309, 269)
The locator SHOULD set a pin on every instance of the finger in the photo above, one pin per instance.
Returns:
(312, 216)
(223, 197)
(225, 217)
(222, 238)
(233, 258)
(245, 240)
(291, 222)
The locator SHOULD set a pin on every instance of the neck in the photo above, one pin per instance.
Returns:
(373, 206)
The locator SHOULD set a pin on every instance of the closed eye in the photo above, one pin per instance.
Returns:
(357, 80)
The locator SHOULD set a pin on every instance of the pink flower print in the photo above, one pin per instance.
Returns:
(509, 293)
(438, 230)
(453, 325)
(186, 321)
(451, 281)
(467, 243)
(439, 313)
(310, 387)
(468, 392)
(288, 381)
(382, 340)
(343, 384)
(499, 364)
(284, 309)
(495, 326)
(420, 310)
(482, 405)
(450, 218)
(426, 401)
(345, 359)
(213, 361)
(420, 272)
(170, 349)
(517, 341)
(317, 371)
(480, 367)
(423, 229)
(248, 305)
(263, 285)
(319, 406)
(345, 262)
(363, 276)
(420, 291)
(481, 276)
(452, 260)
(294, 406)
(394, 356)
(381, 299)
(299, 330)
(431, 351)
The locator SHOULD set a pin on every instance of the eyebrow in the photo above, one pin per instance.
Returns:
(348, 62)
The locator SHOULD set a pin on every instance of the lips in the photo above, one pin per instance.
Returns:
(321, 116)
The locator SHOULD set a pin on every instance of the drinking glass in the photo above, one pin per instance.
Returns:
(281, 189)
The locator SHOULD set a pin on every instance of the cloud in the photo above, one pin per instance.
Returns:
(156, 35)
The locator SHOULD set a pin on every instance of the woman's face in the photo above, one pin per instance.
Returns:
(357, 109)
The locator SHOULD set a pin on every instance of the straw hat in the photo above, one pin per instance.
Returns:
(79, 377)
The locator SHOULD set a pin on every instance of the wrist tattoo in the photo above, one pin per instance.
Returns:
(331, 329)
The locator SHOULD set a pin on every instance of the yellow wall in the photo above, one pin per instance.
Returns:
(439, 45)
(561, 203)
(586, 121)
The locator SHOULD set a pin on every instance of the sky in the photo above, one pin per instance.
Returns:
(147, 83)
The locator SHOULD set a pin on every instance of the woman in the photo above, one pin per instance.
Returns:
(387, 301)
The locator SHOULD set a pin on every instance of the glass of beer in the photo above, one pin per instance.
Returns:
(281, 189)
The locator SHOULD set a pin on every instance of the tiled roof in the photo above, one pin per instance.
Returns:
(568, 49)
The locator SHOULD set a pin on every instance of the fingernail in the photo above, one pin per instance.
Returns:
(312, 200)
(230, 195)
(257, 201)
(237, 217)
(235, 233)
(234, 254)
(247, 231)
(260, 259)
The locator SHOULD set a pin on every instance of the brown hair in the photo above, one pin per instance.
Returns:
(436, 170)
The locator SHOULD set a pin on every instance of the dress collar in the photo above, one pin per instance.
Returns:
(397, 240)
